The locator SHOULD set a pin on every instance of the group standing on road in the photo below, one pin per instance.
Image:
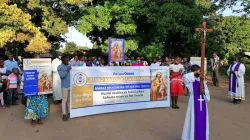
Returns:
(184, 78)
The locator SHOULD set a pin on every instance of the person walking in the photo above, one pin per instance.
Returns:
(196, 125)
(215, 60)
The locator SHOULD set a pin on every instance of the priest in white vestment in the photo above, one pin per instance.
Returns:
(57, 91)
(196, 126)
(236, 73)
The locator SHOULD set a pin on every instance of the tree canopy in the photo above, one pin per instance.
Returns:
(155, 26)
(150, 27)
(37, 24)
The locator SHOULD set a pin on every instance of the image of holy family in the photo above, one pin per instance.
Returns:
(44, 82)
(159, 85)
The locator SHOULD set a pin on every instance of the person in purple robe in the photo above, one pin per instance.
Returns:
(196, 126)
(236, 72)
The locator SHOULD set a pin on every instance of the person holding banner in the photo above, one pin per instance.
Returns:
(196, 125)
(64, 73)
(37, 106)
(176, 84)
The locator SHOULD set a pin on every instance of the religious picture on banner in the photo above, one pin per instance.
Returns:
(159, 85)
(44, 82)
(43, 67)
(116, 50)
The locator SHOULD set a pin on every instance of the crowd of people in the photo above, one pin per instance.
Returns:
(37, 107)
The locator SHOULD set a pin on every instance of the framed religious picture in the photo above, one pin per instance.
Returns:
(116, 50)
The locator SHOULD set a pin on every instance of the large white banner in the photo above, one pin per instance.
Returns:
(96, 90)
(197, 61)
(43, 67)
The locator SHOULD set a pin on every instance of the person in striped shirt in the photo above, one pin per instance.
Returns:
(12, 86)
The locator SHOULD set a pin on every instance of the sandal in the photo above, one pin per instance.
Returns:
(173, 106)
(177, 107)
(64, 118)
(39, 122)
(33, 123)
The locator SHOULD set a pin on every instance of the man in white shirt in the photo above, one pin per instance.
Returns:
(75, 61)
(155, 63)
(215, 69)
(10, 64)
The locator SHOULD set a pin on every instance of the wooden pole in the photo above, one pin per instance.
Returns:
(204, 30)
(202, 76)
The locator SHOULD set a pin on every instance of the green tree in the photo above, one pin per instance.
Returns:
(233, 34)
(70, 47)
(85, 48)
(49, 18)
(15, 25)
(146, 24)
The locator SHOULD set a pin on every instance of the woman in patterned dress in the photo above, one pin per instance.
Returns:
(37, 107)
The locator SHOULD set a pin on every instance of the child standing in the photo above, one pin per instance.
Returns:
(12, 87)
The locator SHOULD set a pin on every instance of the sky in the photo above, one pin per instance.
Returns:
(81, 40)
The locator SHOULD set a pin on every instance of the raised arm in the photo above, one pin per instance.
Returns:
(62, 73)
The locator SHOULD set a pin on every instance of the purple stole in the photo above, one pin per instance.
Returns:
(200, 116)
(233, 77)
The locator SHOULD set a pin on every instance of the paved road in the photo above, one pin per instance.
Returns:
(227, 122)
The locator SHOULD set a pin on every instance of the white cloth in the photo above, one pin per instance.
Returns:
(74, 63)
(155, 64)
(177, 68)
(57, 92)
(82, 63)
(240, 89)
(215, 62)
(188, 129)
(3, 70)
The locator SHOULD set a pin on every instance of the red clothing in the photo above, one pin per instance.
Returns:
(176, 84)
(137, 64)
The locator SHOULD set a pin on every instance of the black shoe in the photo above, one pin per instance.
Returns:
(173, 106)
(177, 107)
(64, 118)
(68, 115)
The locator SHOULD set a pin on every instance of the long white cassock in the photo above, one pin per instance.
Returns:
(57, 91)
(236, 81)
(196, 126)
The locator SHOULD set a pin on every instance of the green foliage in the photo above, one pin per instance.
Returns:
(233, 34)
(85, 48)
(49, 19)
(167, 26)
(70, 47)
(150, 51)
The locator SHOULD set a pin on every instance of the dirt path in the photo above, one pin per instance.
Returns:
(227, 122)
